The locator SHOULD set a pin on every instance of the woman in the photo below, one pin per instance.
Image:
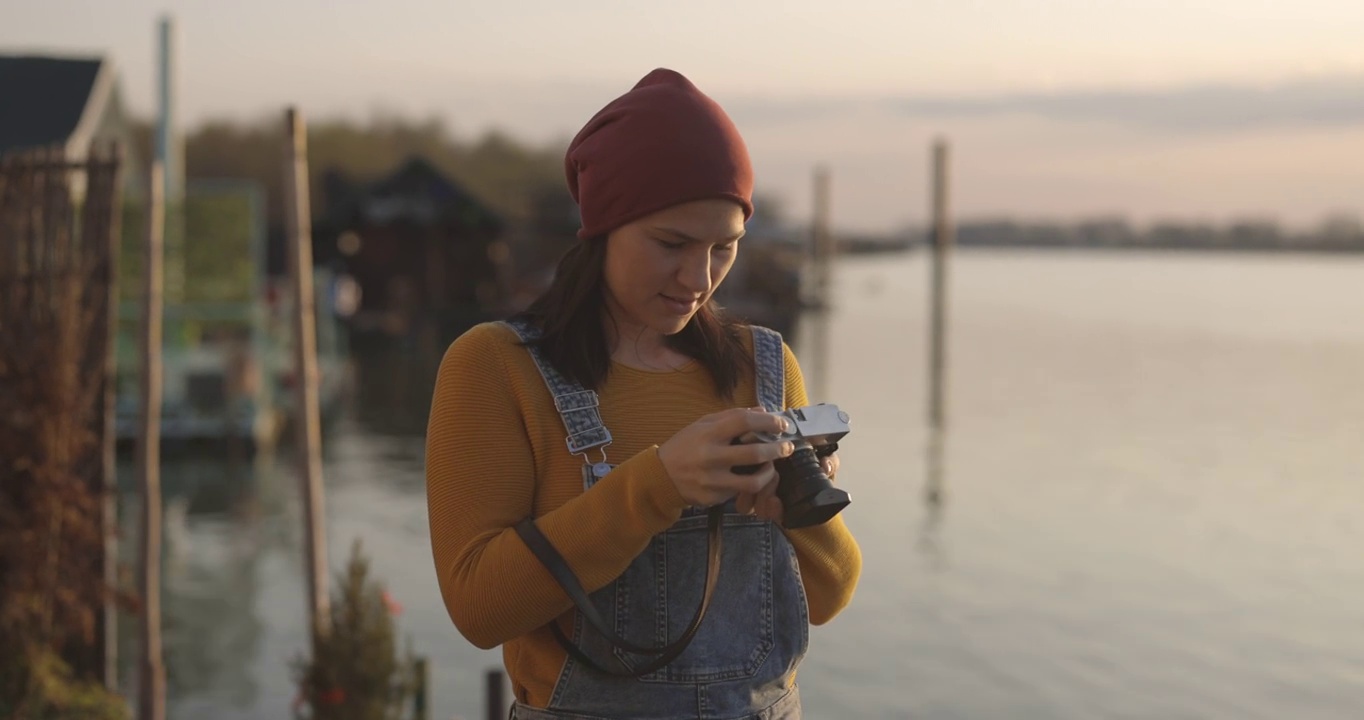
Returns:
(586, 446)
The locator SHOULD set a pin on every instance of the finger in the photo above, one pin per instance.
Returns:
(765, 502)
(768, 491)
(769, 423)
(752, 453)
(743, 421)
(752, 421)
(744, 503)
(755, 484)
(770, 509)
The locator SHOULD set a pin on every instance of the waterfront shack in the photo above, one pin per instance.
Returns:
(427, 256)
(68, 103)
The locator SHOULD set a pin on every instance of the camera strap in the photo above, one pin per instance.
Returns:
(578, 410)
(558, 567)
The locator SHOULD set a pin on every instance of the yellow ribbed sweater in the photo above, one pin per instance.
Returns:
(495, 454)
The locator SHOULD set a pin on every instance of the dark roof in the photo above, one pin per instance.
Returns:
(416, 192)
(42, 99)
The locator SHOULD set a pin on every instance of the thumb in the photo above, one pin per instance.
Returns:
(744, 503)
(771, 509)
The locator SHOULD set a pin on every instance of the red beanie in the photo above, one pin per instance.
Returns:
(663, 143)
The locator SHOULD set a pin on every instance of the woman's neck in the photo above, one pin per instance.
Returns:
(639, 347)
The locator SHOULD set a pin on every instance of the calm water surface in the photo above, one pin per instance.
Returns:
(1154, 478)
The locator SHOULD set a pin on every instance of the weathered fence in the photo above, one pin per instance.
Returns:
(59, 235)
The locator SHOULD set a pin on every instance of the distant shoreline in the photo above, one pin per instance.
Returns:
(1265, 249)
(967, 239)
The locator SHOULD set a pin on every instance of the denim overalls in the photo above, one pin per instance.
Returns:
(740, 663)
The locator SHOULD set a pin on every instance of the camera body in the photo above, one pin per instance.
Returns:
(808, 496)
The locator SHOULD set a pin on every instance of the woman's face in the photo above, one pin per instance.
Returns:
(660, 269)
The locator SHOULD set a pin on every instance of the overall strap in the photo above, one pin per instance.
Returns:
(769, 362)
(577, 405)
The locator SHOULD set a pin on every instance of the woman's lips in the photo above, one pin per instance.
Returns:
(678, 305)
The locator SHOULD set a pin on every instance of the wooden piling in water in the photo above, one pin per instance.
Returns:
(942, 243)
(496, 708)
(307, 420)
(421, 689)
(152, 675)
(822, 252)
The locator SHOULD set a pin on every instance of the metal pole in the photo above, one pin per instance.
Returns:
(152, 686)
(169, 152)
(306, 416)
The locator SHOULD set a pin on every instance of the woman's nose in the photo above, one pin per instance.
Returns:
(695, 273)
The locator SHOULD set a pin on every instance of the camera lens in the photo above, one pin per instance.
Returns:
(807, 495)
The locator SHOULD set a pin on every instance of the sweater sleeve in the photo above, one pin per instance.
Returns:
(830, 560)
(481, 480)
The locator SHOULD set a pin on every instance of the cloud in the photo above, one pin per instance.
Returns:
(1336, 101)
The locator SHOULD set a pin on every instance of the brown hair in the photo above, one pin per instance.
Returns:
(573, 339)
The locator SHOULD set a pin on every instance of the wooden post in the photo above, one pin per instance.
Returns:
(496, 708)
(942, 251)
(306, 414)
(823, 252)
(152, 684)
(108, 623)
(421, 684)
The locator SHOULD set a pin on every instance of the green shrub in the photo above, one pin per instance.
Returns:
(357, 672)
(40, 686)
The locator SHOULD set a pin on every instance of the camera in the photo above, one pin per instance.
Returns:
(807, 495)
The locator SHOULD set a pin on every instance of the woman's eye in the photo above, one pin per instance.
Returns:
(723, 248)
(671, 245)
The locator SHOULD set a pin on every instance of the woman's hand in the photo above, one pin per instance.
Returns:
(765, 503)
(701, 457)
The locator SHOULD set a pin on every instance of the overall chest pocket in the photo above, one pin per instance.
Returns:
(657, 596)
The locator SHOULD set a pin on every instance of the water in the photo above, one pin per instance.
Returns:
(1152, 483)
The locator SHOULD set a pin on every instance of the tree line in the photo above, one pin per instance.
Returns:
(510, 176)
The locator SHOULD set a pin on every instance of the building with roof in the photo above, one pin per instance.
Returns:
(73, 104)
(425, 253)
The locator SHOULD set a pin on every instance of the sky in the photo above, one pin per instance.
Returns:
(1207, 110)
